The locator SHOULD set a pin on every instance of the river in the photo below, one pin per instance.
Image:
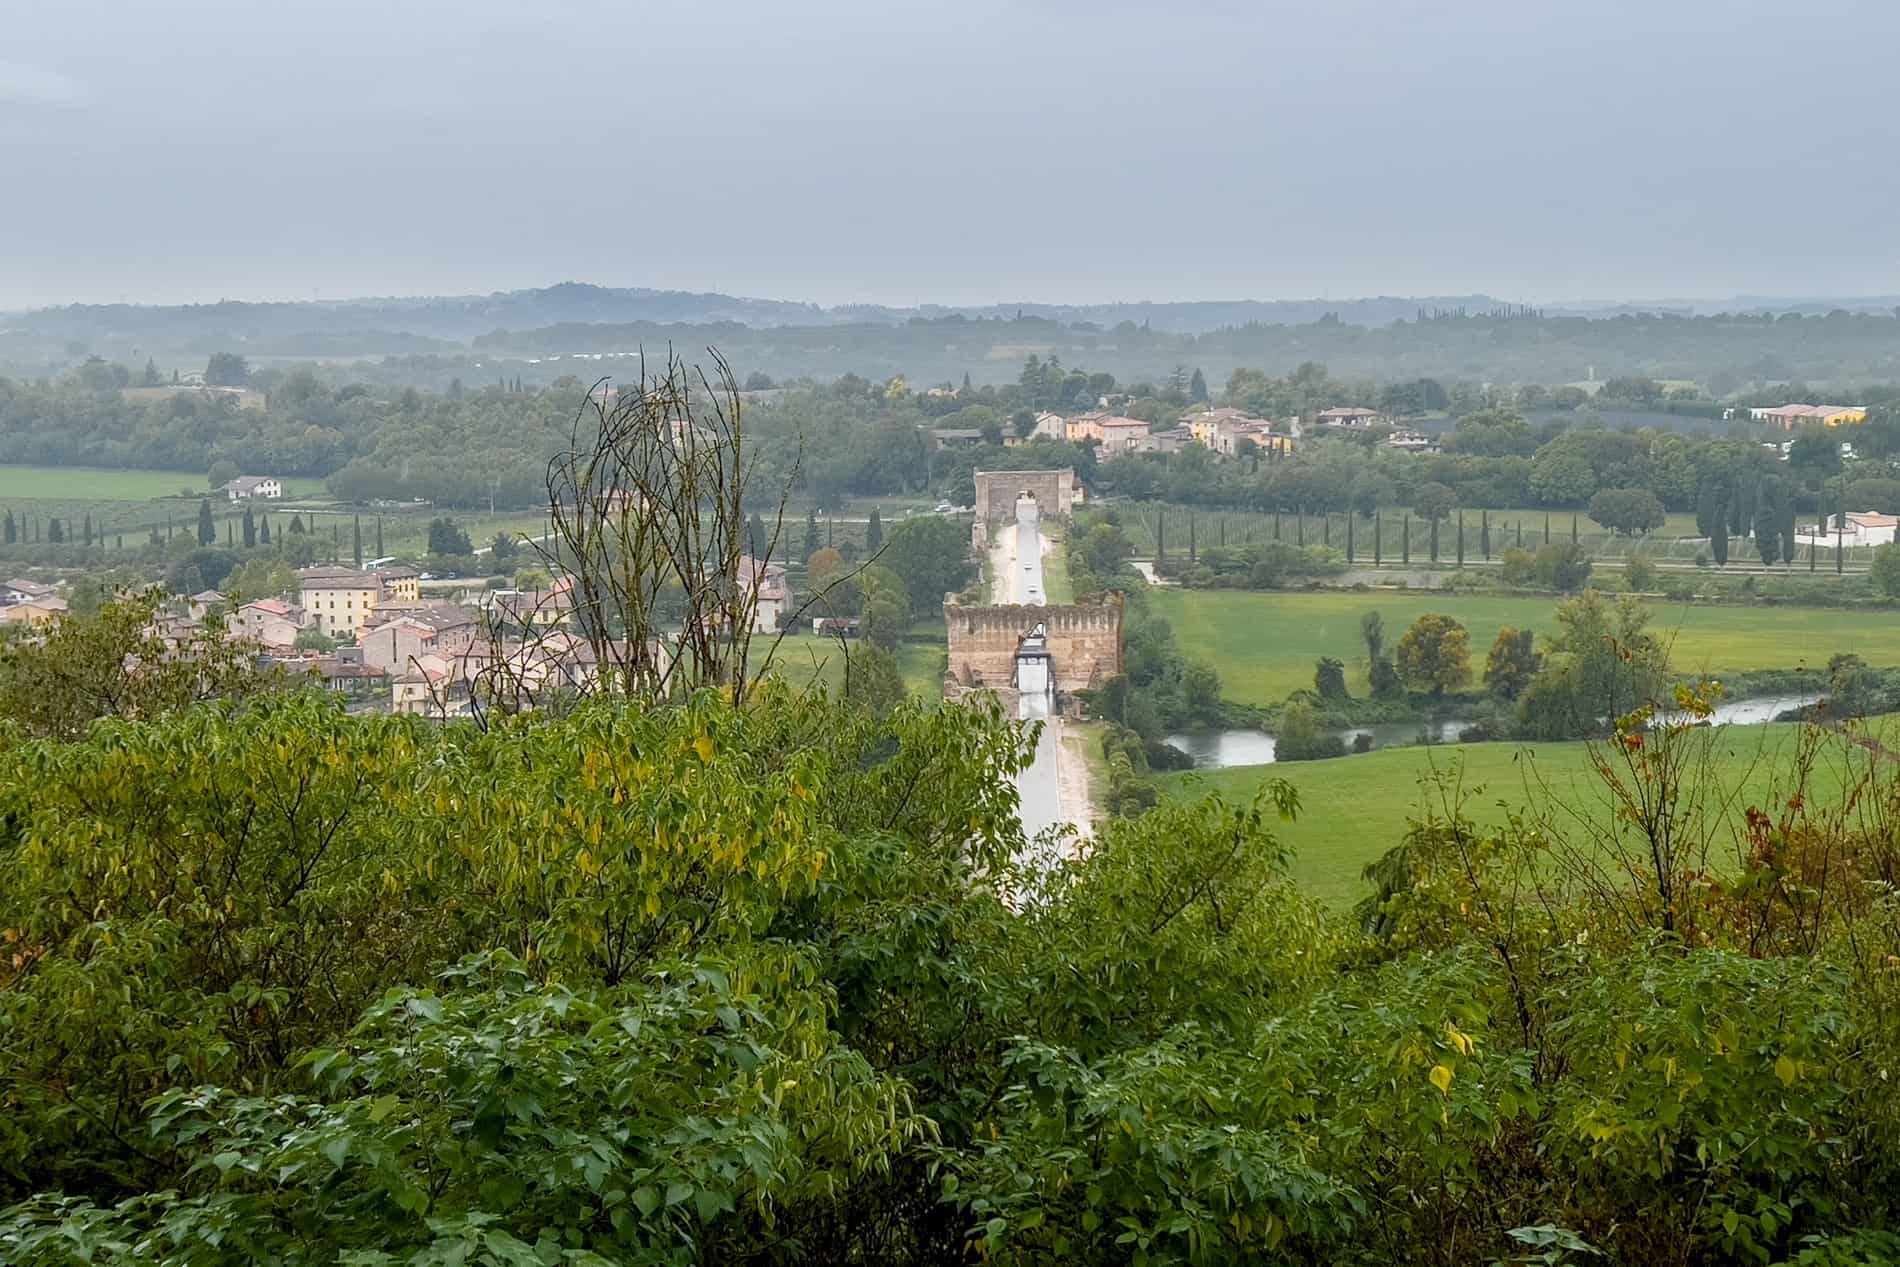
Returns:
(1219, 749)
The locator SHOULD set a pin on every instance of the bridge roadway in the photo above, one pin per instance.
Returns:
(1038, 787)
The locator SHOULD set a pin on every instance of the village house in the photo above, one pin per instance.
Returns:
(269, 622)
(1788, 417)
(533, 609)
(1084, 427)
(1172, 440)
(773, 593)
(201, 604)
(340, 600)
(18, 591)
(34, 613)
(1121, 435)
(253, 488)
(1050, 427)
(442, 630)
(401, 584)
(426, 689)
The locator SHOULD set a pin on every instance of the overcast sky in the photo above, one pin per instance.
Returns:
(951, 150)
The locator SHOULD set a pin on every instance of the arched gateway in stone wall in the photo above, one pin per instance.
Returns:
(1083, 641)
(997, 491)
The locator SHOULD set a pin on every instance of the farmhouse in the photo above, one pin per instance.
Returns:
(253, 488)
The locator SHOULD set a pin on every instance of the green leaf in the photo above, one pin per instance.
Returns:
(646, 1200)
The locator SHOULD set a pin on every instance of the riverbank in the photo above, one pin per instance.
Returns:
(1354, 809)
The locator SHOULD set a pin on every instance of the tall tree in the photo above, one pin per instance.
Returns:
(250, 528)
(356, 539)
(1197, 387)
(379, 538)
(207, 529)
(873, 532)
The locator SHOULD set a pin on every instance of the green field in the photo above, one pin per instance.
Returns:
(1353, 809)
(84, 483)
(1264, 644)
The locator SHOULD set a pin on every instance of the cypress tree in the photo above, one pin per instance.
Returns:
(250, 528)
(1434, 540)
(1840, 529)
(1191, 555)
(811, 533)
(1326, 527)
(1377, 550)
(1484, 534)
(85, 530)
(1520, 532)
(1349, 519)
(55, 531)
(873, 532)
(9, 532)
(1547, 527)
(1573, 530)
(1276, 523)
(356, 539)
(1299, 527)
(119, 542)
(379, 538)
(263, 530)
(207, 530)
(1461, 538)
(230, 530)
(1161, 537)
(1405, 540)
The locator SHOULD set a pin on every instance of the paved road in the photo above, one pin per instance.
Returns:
(1038, 786)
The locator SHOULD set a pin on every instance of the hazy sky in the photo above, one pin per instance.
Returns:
(954, 150)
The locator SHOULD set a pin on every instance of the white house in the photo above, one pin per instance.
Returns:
(1856, 528)
(253, 488)
(773, 595)
(1349, 416)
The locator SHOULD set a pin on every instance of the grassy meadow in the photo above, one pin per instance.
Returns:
(1265, 643)
(1353, 809)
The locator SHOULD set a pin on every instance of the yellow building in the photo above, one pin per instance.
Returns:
(340, 600)
(403, 584)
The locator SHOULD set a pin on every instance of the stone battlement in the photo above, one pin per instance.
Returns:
(1084, 641)
(997, 491)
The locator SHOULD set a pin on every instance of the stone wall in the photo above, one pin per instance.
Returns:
(997, 491)
(1085, 643)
